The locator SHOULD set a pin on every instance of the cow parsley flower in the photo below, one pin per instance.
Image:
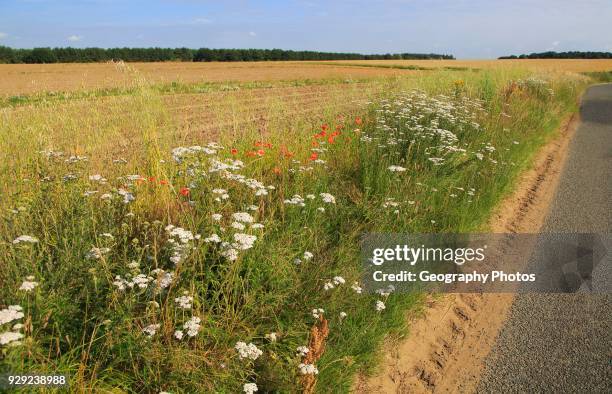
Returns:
(249, 351)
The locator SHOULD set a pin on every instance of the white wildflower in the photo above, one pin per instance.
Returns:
(302, 351)
(379, 306)
(192, 326)
(249, 388)
(10, 336)
(328, 198)
(25, 238)
(13, 312)
(249, 351)
(151, 329)
(308, 369)
(184, 302)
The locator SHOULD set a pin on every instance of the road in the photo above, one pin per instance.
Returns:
(562, 343)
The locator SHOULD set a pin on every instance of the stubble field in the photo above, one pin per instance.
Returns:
(195, 227)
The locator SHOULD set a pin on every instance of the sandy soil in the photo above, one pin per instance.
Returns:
(449, 341)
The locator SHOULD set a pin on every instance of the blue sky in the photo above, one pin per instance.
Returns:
(465, 28)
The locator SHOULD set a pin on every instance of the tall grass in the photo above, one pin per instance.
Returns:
(436, 159)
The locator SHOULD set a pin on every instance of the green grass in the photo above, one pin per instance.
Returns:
(77, 322)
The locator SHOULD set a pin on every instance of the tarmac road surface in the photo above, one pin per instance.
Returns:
(562, 343)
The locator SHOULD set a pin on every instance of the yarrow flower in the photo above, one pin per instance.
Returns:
(25, 238)
(396, 169)
(271, 337)
(328, 198)
(184, 301)
(151, 329)
(243, 217)
(10, 336)
(317, 312)
(308, 369)
(192, 326)
(249, 351)
(28, 284)
(302, 351)
(249, 388)
(13, 312)
(379, 306)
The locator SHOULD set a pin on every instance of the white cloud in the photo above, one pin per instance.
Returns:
(74, 38)
(202, 21)
(252, 34)
(3, 35)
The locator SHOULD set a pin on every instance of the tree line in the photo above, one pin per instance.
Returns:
(91, 55)
(562, 55)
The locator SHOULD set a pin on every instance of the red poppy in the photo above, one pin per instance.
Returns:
(330, 140)
(315, 143)
(163, 182)
(358, 120)
(261, 152)
(277, 170)
(234, 151)
(251, 153)
(151, 179)
(184, 191)
(324, 127)
(313, 156)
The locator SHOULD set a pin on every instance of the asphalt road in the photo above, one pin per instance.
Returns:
(562, 343)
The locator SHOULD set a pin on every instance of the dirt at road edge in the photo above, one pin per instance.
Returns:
(450, 339)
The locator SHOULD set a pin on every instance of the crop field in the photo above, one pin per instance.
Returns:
(195, 227)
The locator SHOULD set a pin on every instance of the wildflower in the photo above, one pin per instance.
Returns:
(396, 169)
(97, 178)
(342, 315)
(243, 217)
(244, 241)
(151, 329)
(178, 334)
(231, 254)
(302, 351)
(379, 306)
(249, 388)
(257, 226)
(276, 170)
(25, 238)
(184, 302)
(328, 198)
(249, 351)
(127, 196)
(192, 326)
(321, 209)
(271, 337)
(234, 151)
(308, 369)
(13, 312)
(338, 280)
(358, 121)
(238, 226)
(307, 255)
(28, 284)
(317, 313)
(356, 288)
(212, 238)
(9, 336)
(217, 217)
(313, 156)
(97, 253)
(328, 286)
(184, 191)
